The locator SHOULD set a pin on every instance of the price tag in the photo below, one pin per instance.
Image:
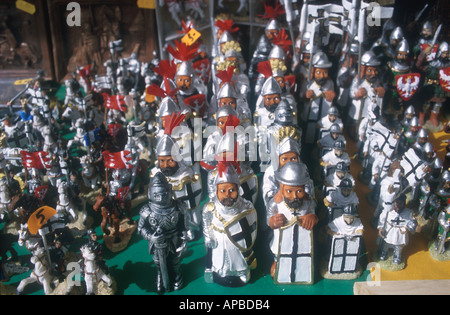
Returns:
(26, 7)
(39, 217)
(23, 81)
(191, 37)
(146, 4)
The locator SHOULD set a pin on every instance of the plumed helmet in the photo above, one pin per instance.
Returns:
(320, 60)
(168, 107)
(271, 86)
(185, 68)
(293, 174)
(403, 46)
(227, 90)
(277, 52)
(225, 37)
(225, 111)
(370, 59)
(226, 173)
(273, 25)
(167, 147)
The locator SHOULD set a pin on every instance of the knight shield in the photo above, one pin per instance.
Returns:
(407, 85)
(242, 230)
(444, 78)
(249, 185)
(295, 255)
(197, 104)
(189, 190)
(344, 254)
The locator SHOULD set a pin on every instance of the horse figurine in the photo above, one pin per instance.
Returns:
(41, 272)
(89, 172)
(26, 238)
(111, 214)
(92, 271)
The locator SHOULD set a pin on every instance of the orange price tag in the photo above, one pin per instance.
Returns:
(39, 217)
(191, 37)
(26, 7)
(146, 4)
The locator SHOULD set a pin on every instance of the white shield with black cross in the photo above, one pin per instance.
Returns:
(242, 232)
(189, 191)
(295, 256)
(249, 186)
(344, 254)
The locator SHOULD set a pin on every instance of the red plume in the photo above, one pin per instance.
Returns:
(232, 121)
(265, 69)
(166, 68)
(226, 25)
(282, 40)
(156, 90)
(273, 12)
(226, 75)
(183, 52)
(186, 28)
(222, 166)
(173, 121)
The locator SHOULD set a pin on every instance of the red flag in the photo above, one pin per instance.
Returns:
(123, 193)
(116, 102)
(197, 104)
(117, 160)
(84, 72)
(38, 160)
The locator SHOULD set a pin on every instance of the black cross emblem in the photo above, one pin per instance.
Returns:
(397, 221)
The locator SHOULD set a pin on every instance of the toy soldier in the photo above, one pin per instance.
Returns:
(291, 216)
(337, 199)
(267, 103)
(161, 223)
(346, 231)
(320, 95)
(409, 114)
(367, 91)
(327, 121)
(326, 143)
(230, 228)
(394, 226)
(185, 180)
(332, 158)
(444, 228)
(341, 172)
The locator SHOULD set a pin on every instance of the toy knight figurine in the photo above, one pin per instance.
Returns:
(230, 228)
(291, 216)
(394, 226)
(367, 91)
(346, 232)
(267, 102)
(336, 200)
(185, 179)
(333, 157)
(326, 143)
(162, 224)
(444, 228)
(327, 121)
(319, 96)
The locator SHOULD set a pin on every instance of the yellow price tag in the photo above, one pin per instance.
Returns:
(150, 98)
(191, 37)
(23, 81)
(26, 7)
(39, 217)
(146, 4)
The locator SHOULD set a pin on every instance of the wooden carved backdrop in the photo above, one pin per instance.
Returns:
(101, 22)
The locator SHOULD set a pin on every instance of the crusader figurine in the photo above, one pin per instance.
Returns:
(291, 216)
(395, 225)
(230, 228)
(162, 224)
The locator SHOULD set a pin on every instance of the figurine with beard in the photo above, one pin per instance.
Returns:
(230, 228)
(319, 96)
(291, 216)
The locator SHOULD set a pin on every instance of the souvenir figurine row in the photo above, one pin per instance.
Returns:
(185, 139)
